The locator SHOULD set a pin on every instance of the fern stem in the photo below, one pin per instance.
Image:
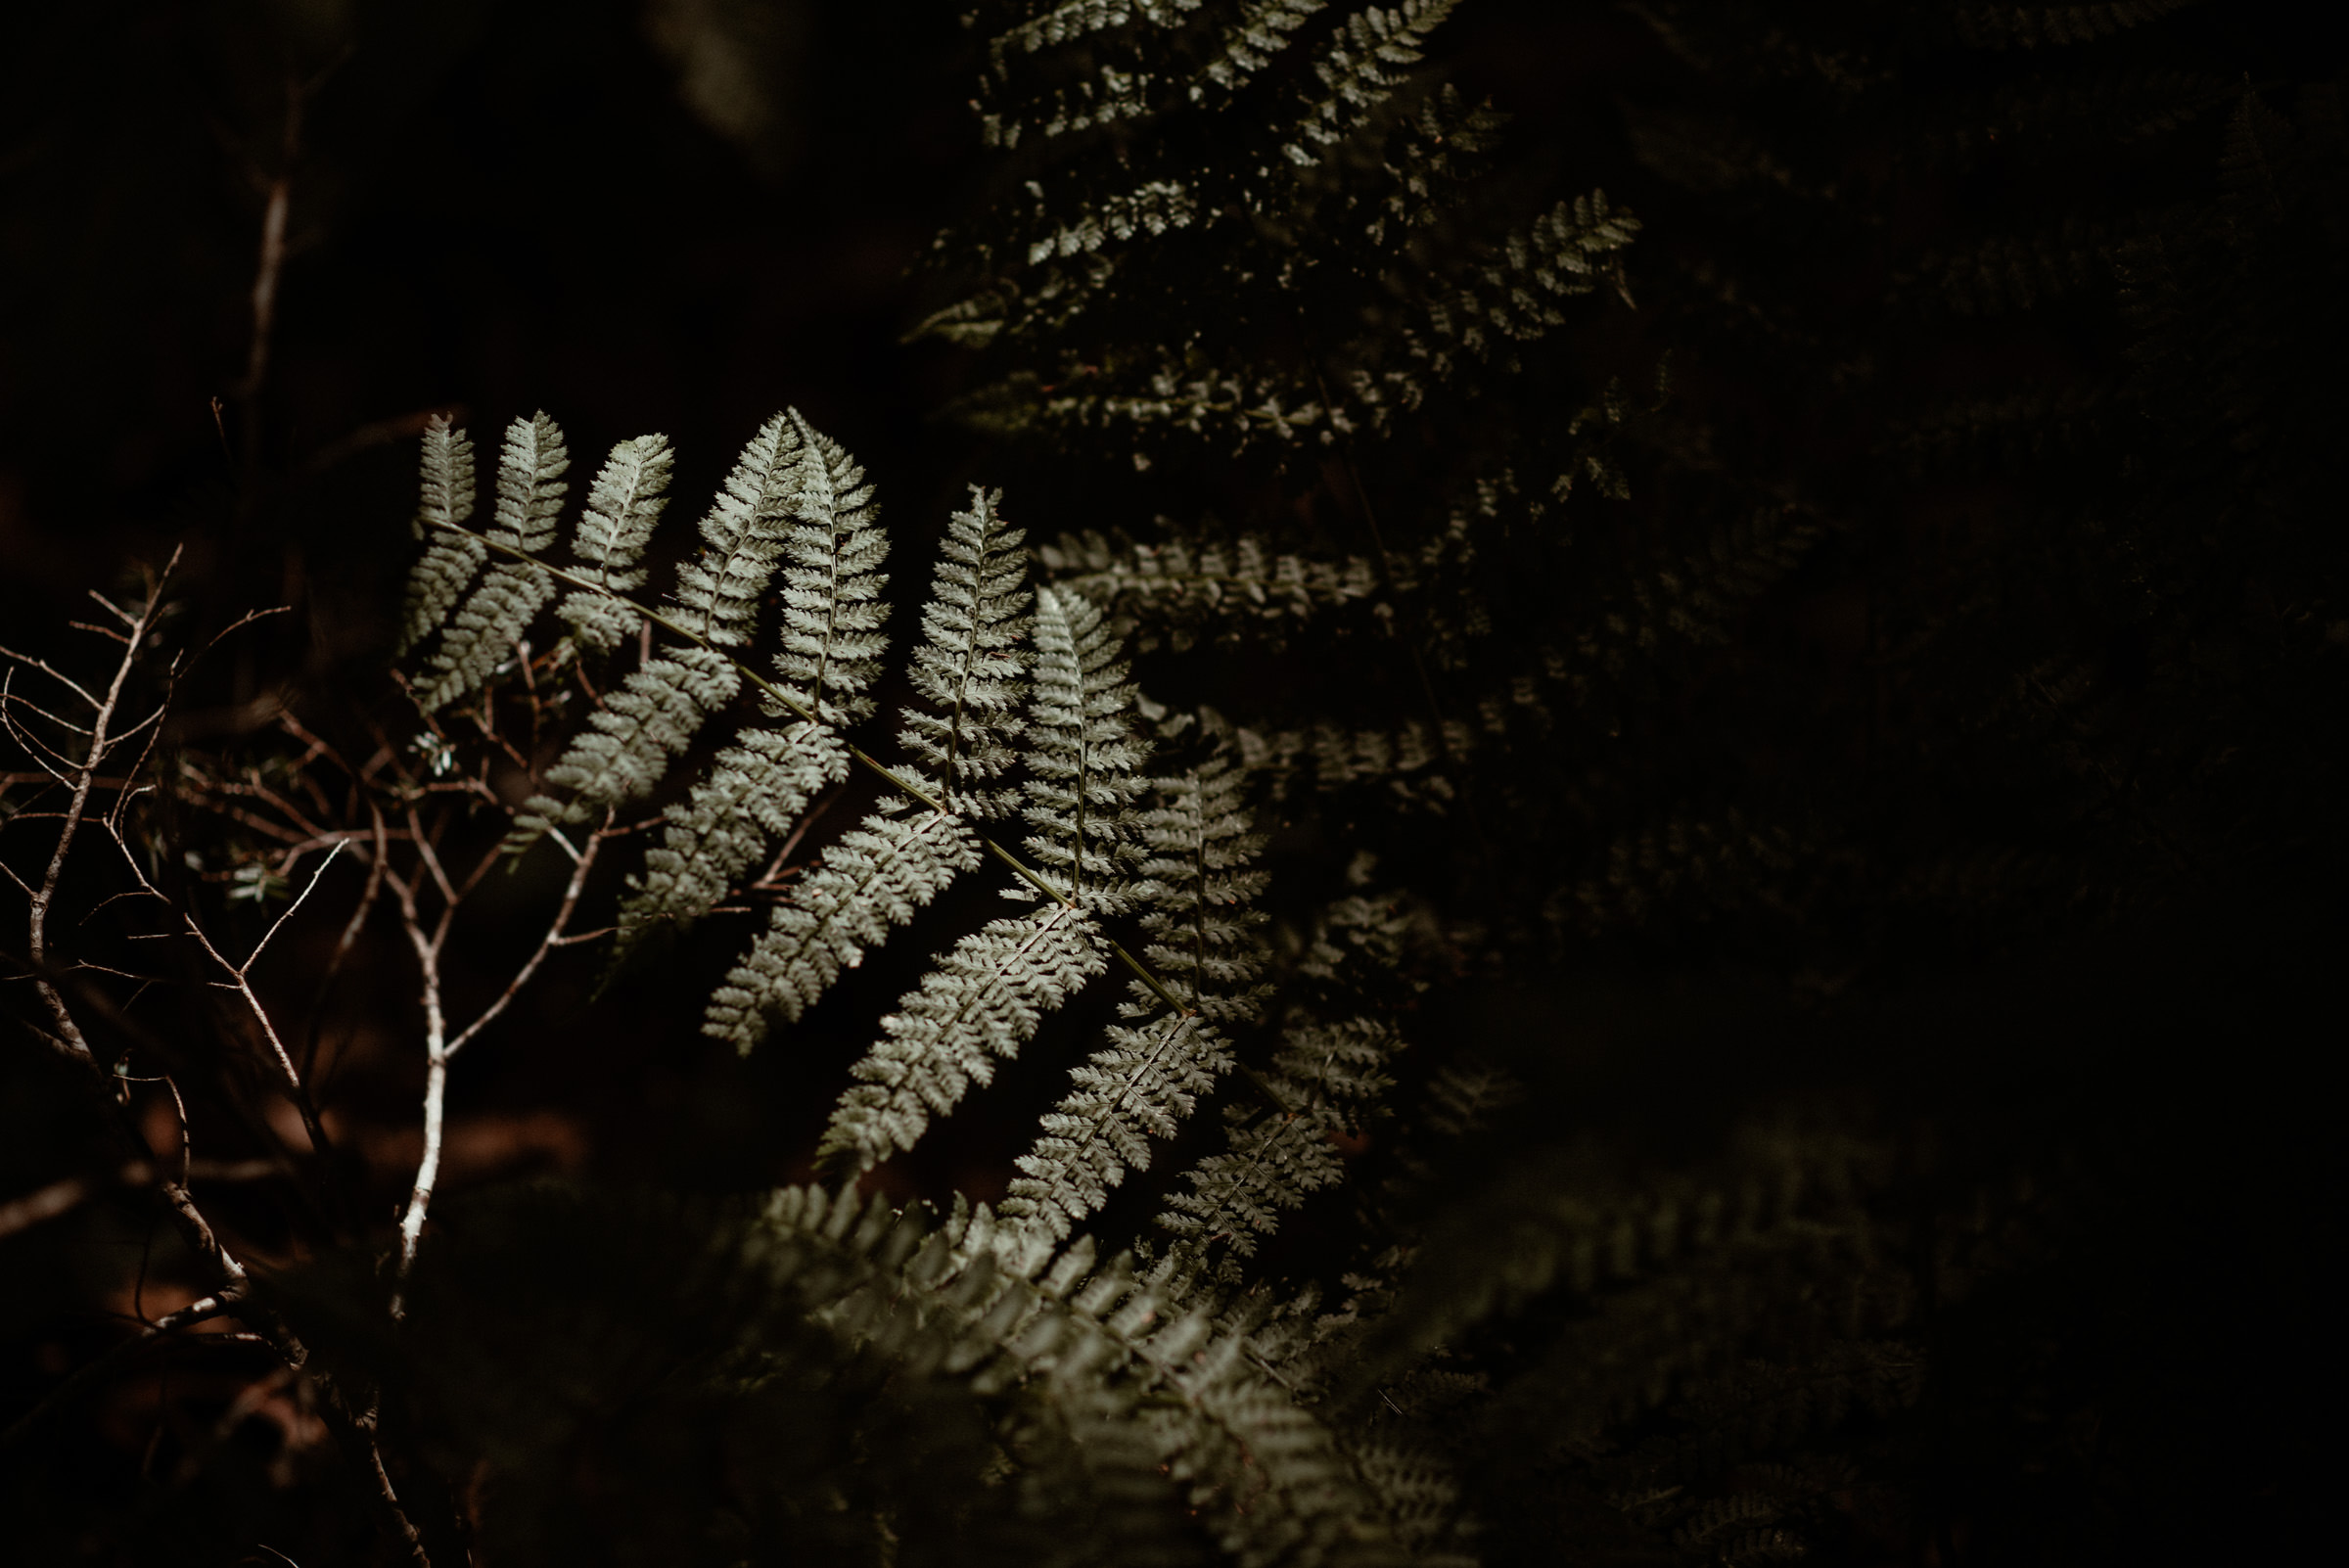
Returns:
(768, 688)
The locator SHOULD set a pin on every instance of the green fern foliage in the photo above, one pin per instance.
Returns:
(969, 668)
(451, 558)
(832, 608)
(1360, 70)
(1325, 1078)
(1081, 755)
(634, 737)
(625, 502)
(492, 618)
(1181, 590)
(869, 881)
(1198, 883)
(797, 505)
(755, 793)
(968, 671)
(982, 1002)
(663, 704)
(745, 535)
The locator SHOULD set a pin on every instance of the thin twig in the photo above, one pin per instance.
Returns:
(546, 944)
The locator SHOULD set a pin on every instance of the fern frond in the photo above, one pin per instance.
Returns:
(628, 743)
(1153, 207)
(1569, 251)
(1141, 1086)
(1330, 1073)
(1264, 1474)
(2049, 422)
(970, 666)
(1270, 1482)
(1360, 69)
(450, 559)
(1077, 18)
(1179, 589)
(756, 790)
(1417, 1494)
(785, 470)
(869, 881)
(745, 534)
(832, 608)
(1243, 47)
(622, 506)
(1726, 1246)
(1198, 885)
(982, 1001)
(1686, 867)
(1205, 949)
(494, 618)
(1082, 755)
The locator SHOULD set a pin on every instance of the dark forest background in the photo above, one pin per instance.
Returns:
(642, 221)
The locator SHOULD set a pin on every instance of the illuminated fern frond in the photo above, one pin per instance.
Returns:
(492, 618)
(1204, 946)
(450, 559)
(622, 506)
(1082, 753)
(1140, 1086)
(754, 795)
(744, 535)
(869, 881)
(1153, 207)
(967, 670)
(662, 705)
(970, 666)
(832, 608)
(982, 1002)
(756, 789)
(628, 743)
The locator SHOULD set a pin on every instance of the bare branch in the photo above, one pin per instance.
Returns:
(38, 918)
(51, 670)
(254, 957)
(546, 943)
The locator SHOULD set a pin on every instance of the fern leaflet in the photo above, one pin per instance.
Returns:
(450, 557)
(755, 793)
(1204, 942)
(832, 608)
(623, 507)
(968, 671)
(869, 881)
(970, 666)
(984, 1000)
(530, 497)
(663, 704)
(1082, 753)
(745, 534)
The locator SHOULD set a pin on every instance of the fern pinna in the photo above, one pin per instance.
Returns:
(1020, 697)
